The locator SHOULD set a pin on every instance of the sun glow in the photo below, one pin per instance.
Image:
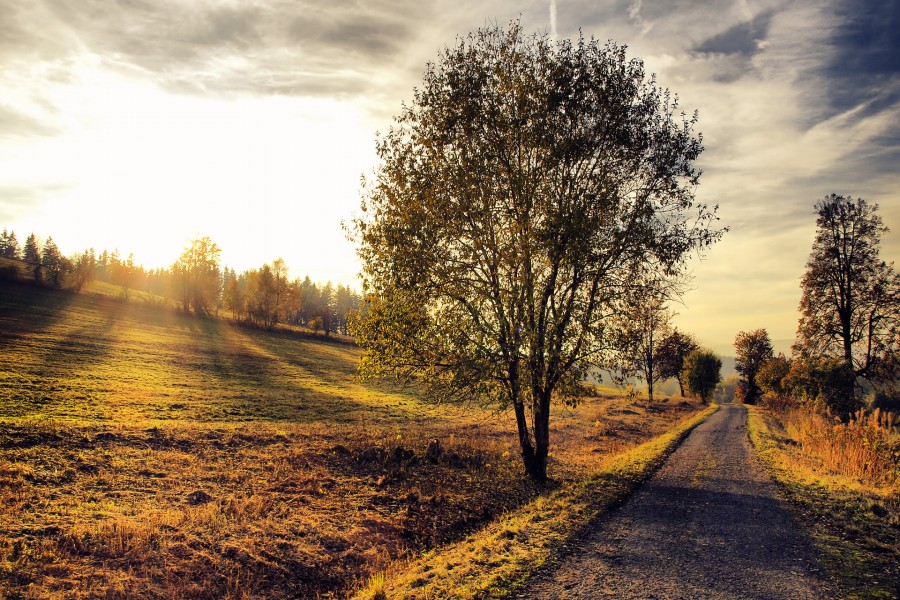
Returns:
(144, 170)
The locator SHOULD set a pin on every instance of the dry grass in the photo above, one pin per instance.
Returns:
(867, 447)
(843, 478)
(144, 453)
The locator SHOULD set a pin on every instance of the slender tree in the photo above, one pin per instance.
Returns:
(702, 373)
(32, 256)
(84, 268)
(670, 355)
(124, 272)
(516, 194)
(753, 349)
(644, 322)
(54, 263)
(850, 307)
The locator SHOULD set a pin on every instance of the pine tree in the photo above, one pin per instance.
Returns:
(9, 246)
(53, 263)
(32, 256)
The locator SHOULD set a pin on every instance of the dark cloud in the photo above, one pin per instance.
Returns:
(356, 33)
(742, 39)
(730, 52)
(864, 63)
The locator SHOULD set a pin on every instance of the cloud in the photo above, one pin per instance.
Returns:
(17, 201)
(16, 124)
(274, 47)
(553, 30)
(864, 56)
(733, 49)
(742, 39)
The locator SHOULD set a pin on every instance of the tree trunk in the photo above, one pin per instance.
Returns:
(528, 449)
(536, 464)
(846, 333)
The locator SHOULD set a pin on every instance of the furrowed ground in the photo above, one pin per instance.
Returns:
(144, 452)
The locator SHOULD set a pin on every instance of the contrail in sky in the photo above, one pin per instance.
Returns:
(553, 18)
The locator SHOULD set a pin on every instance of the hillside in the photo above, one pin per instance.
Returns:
(148, 453)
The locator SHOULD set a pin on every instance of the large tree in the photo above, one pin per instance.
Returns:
(850, 307)
(670, 355)
(753, 349)
(516, 194)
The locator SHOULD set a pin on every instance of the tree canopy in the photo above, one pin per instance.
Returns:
(516, 196)
(196, 275)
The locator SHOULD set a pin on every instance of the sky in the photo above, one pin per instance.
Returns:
(138, 124)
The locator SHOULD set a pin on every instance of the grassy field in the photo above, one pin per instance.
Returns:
(144, 452)
(844, 479)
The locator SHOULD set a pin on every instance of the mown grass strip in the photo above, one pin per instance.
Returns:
(498, 560)
(854, 527)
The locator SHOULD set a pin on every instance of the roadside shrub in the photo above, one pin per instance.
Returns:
(771, 376)
(886, 402)
(827, 385)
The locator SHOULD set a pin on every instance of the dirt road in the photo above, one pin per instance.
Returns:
(707, 525)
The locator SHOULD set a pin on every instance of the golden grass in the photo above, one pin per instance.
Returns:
(866, 447)
(845, 491)
(96, 359)
(494, 562)
(148, 454)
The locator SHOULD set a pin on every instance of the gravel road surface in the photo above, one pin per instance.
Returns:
(709, 524)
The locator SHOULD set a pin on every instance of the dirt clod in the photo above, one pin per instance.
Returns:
(199, 497)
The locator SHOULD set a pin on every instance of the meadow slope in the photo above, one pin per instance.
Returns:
(146, 452)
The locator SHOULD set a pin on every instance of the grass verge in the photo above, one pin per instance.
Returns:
(855, 525)
(497, 560)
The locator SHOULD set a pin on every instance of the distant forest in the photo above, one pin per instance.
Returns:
(196, 283)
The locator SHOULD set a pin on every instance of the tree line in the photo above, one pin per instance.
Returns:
(197, 283)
